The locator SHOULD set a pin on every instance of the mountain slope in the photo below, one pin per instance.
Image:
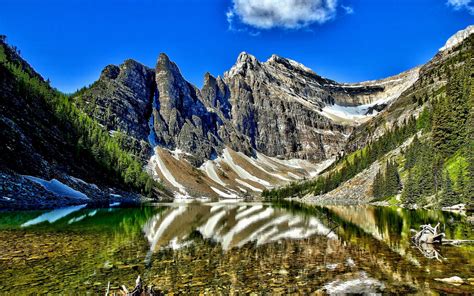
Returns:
(277, 111)
(437, 168)
(44, 136)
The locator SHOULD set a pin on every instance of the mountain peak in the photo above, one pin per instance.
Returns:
(245, 57)
(458, 38)
(243, 60)
(163, 58)
(276, 59)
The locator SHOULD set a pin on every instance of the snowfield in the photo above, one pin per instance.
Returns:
(58, 188)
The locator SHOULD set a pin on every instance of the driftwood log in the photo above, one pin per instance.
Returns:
(427, 235)
(428, 240)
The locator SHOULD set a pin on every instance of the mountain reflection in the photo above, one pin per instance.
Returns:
(230, 225)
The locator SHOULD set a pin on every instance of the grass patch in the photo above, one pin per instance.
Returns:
(456, 163)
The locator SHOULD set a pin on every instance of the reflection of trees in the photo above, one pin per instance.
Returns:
(452, 224)
(388, 221)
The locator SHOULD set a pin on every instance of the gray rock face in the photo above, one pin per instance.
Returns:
(181, 120)
(121, 101)
(278, 107)
(275, 104)
(121, 98)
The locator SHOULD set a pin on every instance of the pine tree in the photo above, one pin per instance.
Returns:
(437, 170)
(449, 196)
(409, 195)
(377, 187)
(392, 179)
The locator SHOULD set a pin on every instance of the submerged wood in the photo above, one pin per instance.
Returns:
(139, 290)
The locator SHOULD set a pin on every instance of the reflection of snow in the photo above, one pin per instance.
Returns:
(248, 211)
(230, 225)
(149, 229)
(243, 224)
(208, 230)
(53, 216)
(82, 217)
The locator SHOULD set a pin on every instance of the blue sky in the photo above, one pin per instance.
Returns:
(70, 42)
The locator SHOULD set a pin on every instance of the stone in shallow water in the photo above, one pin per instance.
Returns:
(362, 284)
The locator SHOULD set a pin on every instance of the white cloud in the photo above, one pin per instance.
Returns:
(462, 4)
(230, 19)
(291, 14)
(348, 9)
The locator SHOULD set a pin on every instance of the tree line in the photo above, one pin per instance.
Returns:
(352, 164)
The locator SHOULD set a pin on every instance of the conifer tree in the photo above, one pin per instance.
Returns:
(409, 194)
(449, 196)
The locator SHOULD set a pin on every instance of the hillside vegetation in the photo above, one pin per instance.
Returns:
(90, 139)
(438, 167)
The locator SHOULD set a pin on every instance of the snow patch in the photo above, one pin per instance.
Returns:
(151, 124)
(167, 174)
(224, 194)
(77, 180)
(209, 169)
(240, 171)
(58, 188)
(177, 152)
(248, 185)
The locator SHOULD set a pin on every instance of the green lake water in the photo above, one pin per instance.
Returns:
(231, 248)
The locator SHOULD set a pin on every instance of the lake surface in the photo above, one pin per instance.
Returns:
(231, 248)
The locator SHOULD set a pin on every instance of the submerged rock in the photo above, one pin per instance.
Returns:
(454, 280)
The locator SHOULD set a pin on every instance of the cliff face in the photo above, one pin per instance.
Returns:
(121, 98)
(278, 108)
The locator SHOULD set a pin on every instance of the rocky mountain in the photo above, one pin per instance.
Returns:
(241, 133)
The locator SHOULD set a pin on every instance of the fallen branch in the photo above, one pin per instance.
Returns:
(456, 242)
